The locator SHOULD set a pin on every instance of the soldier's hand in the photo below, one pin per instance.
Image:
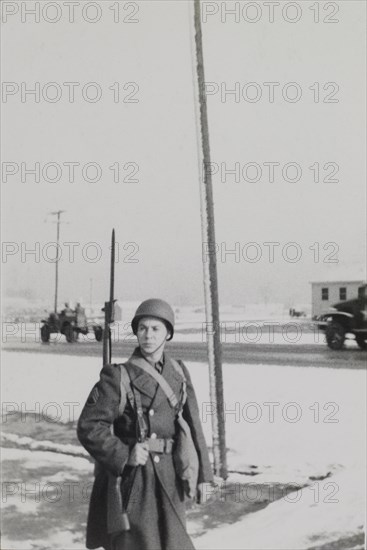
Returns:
(138, 455)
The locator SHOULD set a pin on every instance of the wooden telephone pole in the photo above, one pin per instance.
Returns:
(58, 221)
(210, 266)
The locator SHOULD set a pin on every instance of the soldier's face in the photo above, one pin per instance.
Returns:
(152, 335)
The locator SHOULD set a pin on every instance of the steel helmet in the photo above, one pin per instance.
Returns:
(155, 308)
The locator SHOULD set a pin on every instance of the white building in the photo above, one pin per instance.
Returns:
(327, 293)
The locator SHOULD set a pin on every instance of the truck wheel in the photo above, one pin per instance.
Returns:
(361, 341)
(98, 333)
(69, 334)
(335, 336)
(45, 333)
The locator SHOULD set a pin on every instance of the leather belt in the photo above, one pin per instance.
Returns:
(155, 445)
(160, 445)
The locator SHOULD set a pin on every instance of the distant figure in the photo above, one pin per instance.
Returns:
(54, 318)
(67, 311)
(81, 319)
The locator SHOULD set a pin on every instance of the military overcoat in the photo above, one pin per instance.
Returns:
(156, 504)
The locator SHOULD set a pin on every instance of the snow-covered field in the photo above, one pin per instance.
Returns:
(253, 323)
(291, 423)
(240, 331)
(274, 415)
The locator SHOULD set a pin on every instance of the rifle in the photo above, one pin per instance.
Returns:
(117, 519)
(109, 309)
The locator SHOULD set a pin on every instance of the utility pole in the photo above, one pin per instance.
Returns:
(90, 294)
(58, 215)
(210, 265)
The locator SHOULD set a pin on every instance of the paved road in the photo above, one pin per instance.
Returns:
(297, 355)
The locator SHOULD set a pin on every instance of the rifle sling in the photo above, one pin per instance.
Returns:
(149, 369)
(134, 400)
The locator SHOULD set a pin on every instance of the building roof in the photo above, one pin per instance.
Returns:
(339, 281)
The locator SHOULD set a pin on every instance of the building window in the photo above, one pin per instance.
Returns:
(324, 294)
(342, 293)
(362, 292)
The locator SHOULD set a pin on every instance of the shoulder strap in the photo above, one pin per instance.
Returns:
(147, 367)
(125, 390)
(134, 400)
(179, 368)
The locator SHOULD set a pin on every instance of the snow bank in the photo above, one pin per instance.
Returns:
(34, 460)
(319, 514)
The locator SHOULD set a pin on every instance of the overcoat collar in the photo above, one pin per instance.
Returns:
(146, 384)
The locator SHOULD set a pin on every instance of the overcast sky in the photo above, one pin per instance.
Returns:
(156, 135)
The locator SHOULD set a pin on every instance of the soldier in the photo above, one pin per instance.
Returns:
(151, 491)
(81, 319)
(67, 311)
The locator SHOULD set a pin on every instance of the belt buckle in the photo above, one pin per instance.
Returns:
(168, 445)
(156, 445)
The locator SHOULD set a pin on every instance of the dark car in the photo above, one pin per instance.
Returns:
(349, 317)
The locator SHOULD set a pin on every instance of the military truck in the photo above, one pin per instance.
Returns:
(67, 324)
(346, 318)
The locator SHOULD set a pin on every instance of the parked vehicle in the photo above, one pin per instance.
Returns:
(67, 323)
(344, 318)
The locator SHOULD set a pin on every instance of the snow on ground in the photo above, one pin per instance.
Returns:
(299, 419)
(260, 332)
(287, 423)
(319, 514)
(24, 442)
(323, 512)
(195, 314)
(241, 331)
(48, 493)
(42, 459)
(251, 324)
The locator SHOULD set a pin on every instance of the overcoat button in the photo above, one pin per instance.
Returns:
(151, 412)
(153, 436)
(156, 459)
